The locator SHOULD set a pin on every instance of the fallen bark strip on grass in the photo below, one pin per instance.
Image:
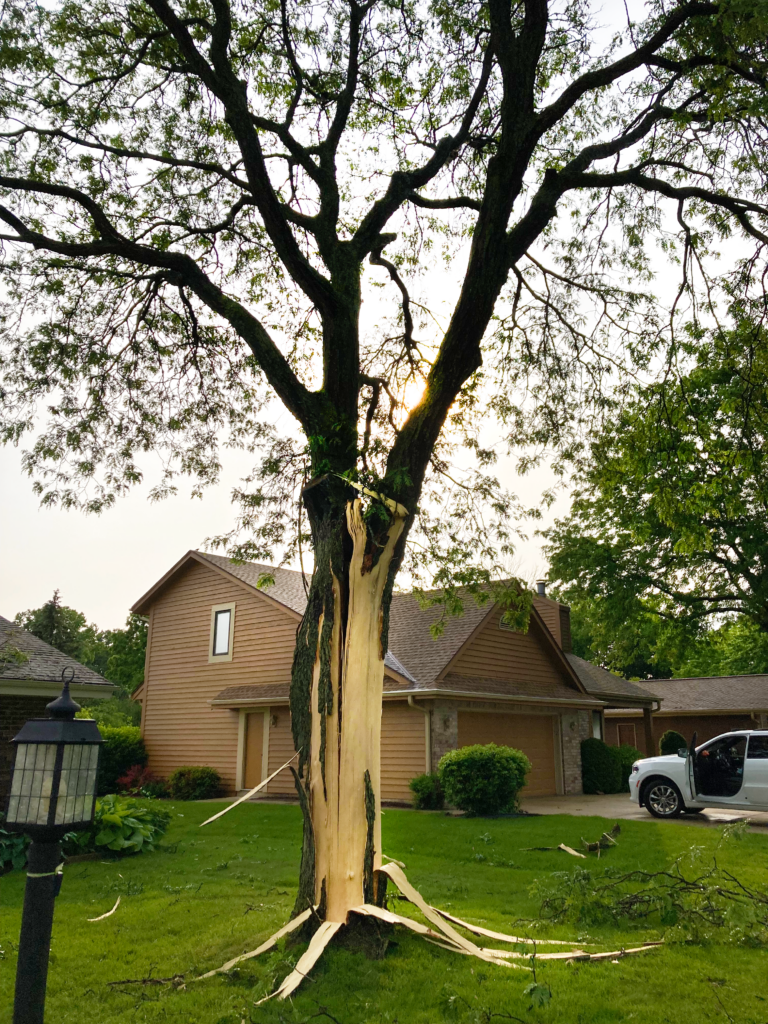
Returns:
(268, 944)
(307, 961)
(250, 793)
(488, 934)
(109, 913)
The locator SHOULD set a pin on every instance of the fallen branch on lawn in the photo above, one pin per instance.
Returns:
(177, 980)
(605, 841)
(250, 793)
(109, 913)
(562, 846)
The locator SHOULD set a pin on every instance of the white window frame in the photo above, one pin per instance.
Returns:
(215, 658)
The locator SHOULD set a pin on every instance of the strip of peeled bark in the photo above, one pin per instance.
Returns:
(342, 628)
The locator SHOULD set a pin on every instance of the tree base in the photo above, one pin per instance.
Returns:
(367, 935)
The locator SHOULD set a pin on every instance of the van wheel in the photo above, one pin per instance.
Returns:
(663, 799)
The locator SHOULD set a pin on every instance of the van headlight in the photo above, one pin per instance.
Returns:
(636, 767)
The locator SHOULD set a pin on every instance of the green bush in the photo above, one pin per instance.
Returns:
(194, 783)
(600, 767)
(427, 792)
(671, 742)
(483, 780)
(119, 824)
(123, 747)
(627, 757)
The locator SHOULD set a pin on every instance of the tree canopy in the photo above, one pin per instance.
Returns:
(671, 514)
(197, 197)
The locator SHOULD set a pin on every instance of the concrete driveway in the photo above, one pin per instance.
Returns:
(620, 806)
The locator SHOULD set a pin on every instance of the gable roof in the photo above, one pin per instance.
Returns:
(44, 663)
(422, 662)
(712, 693)
(602, 683)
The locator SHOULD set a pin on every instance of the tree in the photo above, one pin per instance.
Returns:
(196, 198)
(60, 626)
(668, 531)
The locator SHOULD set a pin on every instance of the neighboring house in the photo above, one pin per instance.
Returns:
(28, 684)
(218, 669)
(708, 706)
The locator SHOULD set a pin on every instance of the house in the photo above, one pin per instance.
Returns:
(30, 678)
(708, 706)
(218, 667)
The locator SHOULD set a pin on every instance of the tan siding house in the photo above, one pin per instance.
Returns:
(218, 668)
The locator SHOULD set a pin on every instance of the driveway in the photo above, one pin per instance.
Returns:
(620, 806)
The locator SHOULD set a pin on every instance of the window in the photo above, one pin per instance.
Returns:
(597, 725)
(222, 633)
(758, 747)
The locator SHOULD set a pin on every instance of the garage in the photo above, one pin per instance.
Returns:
(533, 734)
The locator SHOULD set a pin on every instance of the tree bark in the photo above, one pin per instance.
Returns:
(336, 701)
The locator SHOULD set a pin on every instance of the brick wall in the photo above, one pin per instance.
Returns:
(14, 712)
(575, 726)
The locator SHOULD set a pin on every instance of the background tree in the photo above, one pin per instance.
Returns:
(668, 531)
(62, 627)
(196, 197)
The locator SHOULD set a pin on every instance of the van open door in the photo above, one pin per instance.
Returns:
(692, 769)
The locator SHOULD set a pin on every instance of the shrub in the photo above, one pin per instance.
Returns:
(483, 780)
(600, 767)
(155, 789)
(123, 748)
(194, 783)
(135, 780)
(427, 792)
(671, 742)
(128, 826)
(627, 757)
(119, 824)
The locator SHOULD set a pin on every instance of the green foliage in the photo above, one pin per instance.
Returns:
(627, 757)
(483, 780)
(119, 824)
(427, 792)
(671, 742)
(13, 849)
(116, 710)
(601, 767)
(123, 747)
(667, 527)
(128, 826)
(60, 626)
(196, 782)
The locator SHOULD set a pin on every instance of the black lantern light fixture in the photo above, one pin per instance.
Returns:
(53, 791)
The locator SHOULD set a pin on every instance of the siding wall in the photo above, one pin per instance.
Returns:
(403, 749)
(179, 725)
(524, 658)
(705, 726)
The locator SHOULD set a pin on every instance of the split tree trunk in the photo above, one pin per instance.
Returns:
(336, 707)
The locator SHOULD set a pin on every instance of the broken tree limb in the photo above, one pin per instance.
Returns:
(250, 793)
(573, 853)
(270, 942)
(109, 913)
(618, 953)
(562, 846)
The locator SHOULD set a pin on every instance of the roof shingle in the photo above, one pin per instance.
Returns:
(712, 693)
(45, 663)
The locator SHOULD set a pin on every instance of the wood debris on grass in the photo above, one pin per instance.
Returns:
(109, 913)
(605, 841)
(176, 980)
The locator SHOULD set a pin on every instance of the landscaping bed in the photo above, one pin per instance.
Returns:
(206, 895)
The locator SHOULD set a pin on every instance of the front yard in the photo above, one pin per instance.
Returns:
(211, 894)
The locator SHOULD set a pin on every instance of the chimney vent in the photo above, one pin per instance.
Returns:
(541, 588)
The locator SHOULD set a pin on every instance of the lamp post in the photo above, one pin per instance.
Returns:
(53, 791)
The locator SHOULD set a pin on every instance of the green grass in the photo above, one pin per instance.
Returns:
(217, 892)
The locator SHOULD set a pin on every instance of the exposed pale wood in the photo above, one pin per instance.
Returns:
(109, 913)
(343, 823)
(533, 734)
(307, 961)
(500, 936)
(249, 794)
(297, 922)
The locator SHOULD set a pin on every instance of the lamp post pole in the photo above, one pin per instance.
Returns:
(43, 883)
(53, 791)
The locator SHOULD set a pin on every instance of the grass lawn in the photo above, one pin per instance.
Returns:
(212, 894)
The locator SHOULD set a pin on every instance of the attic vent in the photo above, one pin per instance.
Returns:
(506, 625)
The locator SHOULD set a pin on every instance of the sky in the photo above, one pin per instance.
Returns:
(103, 564)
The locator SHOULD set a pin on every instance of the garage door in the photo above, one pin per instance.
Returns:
(533, 734)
